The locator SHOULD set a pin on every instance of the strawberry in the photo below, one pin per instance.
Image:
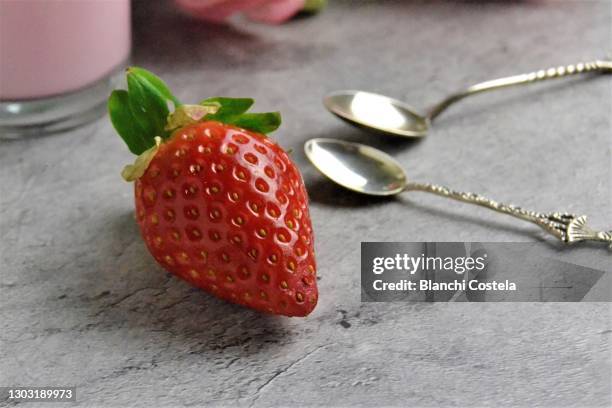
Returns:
(218, 203)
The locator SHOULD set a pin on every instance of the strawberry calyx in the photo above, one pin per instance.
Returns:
(188, 115)
(131, 172)
(148, 110)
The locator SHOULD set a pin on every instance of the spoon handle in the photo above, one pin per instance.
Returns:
(536, 76)
(569, 228)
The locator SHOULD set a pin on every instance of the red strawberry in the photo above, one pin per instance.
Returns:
(218, 205)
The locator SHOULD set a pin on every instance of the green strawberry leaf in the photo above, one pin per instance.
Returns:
(228, 107)
(149, 108)
(124, 123)
(156, 83)
(233, 112)
(140, 113)
(259, 122)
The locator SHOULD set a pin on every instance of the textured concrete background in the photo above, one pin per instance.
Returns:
(82, 303)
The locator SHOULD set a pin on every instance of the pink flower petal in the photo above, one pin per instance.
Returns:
(217, 10)
(275, 11)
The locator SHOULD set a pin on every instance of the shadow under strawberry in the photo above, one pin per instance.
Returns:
(133, 296)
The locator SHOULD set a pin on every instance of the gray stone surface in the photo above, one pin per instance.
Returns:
(83, 303)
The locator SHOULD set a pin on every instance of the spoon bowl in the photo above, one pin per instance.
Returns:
(357, 167)
(377, 113)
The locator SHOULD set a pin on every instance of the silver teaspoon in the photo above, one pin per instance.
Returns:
(367, 170)
(387, 115)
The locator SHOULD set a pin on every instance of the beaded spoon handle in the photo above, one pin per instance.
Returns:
(568, 228)
(522, 79)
